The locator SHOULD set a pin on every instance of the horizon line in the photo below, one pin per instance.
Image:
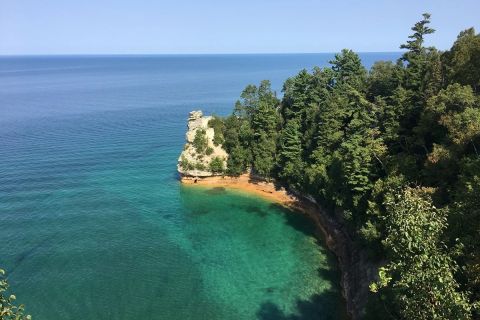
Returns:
(182, 54)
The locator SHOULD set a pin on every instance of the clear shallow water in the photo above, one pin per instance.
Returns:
(93, 221)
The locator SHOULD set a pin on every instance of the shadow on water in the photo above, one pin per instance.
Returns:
(325, 305)
(200, 211)
(319, 307)
(296, 220)
(216, 191)
(255, 210)
(27, 253)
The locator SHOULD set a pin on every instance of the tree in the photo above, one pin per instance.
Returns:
(289, 160)
(449, 129)
(252, 96)
(349, 70)
(420, 272)
(218, 127)
(8, 309)
(238, 161)
(384, 77)
(304, 95)
(200, 141)
(462, 62)
(238, 139)
(216, 165)
(448, 102)
(264, 121)
(263, 152)
(465, 224)
(417, 57)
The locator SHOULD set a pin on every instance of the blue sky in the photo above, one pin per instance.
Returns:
(222, 26)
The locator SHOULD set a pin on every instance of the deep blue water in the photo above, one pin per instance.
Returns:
(93, 221)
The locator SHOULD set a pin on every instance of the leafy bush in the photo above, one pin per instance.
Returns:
(200, 141)
(218, 126)
(200, 166)
(216, 165)
(185, 164)
(8, 310)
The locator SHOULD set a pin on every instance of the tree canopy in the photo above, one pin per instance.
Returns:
(394, 152)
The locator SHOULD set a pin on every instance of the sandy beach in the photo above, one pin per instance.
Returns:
(246, 183)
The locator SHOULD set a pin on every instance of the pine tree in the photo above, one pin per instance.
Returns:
(289, 161)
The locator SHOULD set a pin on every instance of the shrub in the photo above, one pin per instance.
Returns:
(218, 126)
(200, 166)
(185, 164)
(8, 309)
(216, 165)
(200, 141)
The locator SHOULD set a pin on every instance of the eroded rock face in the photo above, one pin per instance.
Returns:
(194, 161)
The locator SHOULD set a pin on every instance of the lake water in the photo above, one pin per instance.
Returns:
(94, 223)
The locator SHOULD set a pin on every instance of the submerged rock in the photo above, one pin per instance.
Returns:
(200, 156)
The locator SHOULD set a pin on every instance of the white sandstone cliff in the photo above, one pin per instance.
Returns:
(196, 163)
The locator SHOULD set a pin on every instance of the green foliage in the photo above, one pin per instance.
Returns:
(238, 161)
(349, 70)
(462, 62)
(209, 151)
(353, 140)
(216, 165)
(251, 132)
(200, 141)
(449, 129)
(238, 139)
(263, 152)
(218, 126)
(185, 164)
(289, 160)
(417, 56)
(200, 166)
(8, 309)
(384, 77)
(465, 223)
(421, 272)
(420, 29)
(252, 96)
(304, 95)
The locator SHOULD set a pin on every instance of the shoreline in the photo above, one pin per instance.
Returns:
(264, 189)
(355, 270)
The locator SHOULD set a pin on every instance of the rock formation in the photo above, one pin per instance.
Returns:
(200, 156)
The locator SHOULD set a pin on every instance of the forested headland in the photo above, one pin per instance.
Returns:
(393, 151)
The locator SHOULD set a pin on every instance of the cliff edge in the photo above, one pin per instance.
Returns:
(203, 154)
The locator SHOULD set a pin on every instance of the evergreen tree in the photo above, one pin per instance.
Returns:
(289, 162)
(384, 77)
(263, 151)
(416, 57)
(349, 70)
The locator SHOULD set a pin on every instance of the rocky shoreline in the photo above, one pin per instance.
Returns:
(356, 270)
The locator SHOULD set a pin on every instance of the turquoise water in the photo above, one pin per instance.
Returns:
(94, 223)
